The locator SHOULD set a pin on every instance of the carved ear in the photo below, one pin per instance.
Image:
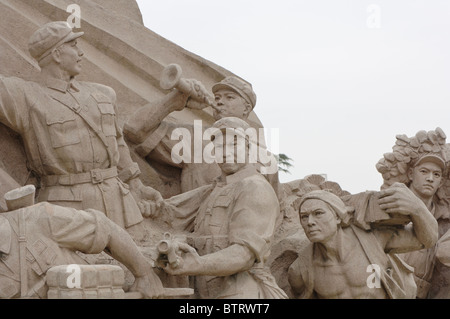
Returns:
(410, 173)
(248, 109)
(56, 55)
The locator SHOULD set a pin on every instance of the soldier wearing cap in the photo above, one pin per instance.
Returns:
(232, 230)
(425, 172)
(233, 98)
(71, 135)
(427, 176)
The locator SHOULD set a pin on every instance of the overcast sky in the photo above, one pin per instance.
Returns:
(339, 79)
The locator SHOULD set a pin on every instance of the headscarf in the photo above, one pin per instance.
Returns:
(342, 211)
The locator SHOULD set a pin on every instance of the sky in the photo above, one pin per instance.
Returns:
(337, 79)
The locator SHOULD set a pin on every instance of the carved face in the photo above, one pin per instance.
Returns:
(235, 155)
(425, 178)
(318, 220)
(70, 58)
(230, 104)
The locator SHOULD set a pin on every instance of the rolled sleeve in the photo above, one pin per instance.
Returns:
(253, 219)
(85, 231)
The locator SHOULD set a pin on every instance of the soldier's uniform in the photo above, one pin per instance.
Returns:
(71, 135)
(159, 145)
(241, 210)
(51, 235)
(431, 276)
(78, 167)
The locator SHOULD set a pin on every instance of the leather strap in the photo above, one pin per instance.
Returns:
(79, 110)
(22, 255)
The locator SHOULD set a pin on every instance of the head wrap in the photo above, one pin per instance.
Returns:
(342, 211)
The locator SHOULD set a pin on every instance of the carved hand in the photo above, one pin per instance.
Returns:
(199, 94)
(148, 199)
(190, 262)
(400, 199)
(149, 285)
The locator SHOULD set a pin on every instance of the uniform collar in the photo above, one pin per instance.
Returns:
(62, 86)
(247, 171)
(5, 235)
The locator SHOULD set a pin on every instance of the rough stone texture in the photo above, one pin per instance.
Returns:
(126, 8)
(97, 282)
(120, 52)
(290, 237)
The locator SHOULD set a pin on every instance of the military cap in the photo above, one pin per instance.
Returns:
(436, 158)
(244, 89)
(49, 37)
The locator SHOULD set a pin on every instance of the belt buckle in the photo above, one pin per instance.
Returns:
(96, 176)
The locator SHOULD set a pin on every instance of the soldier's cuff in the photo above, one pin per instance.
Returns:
(130, 172)
(102, 232)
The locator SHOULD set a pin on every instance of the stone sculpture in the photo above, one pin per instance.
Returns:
(120, 53)
(290, 237)
(230, 234)
(36, 237)
(156, 140)
(72, 138)
(440, 283)
(336, 262)
(130, 60)
(421, 163)
(153, 136)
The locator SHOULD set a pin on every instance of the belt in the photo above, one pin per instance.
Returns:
(95, 176)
